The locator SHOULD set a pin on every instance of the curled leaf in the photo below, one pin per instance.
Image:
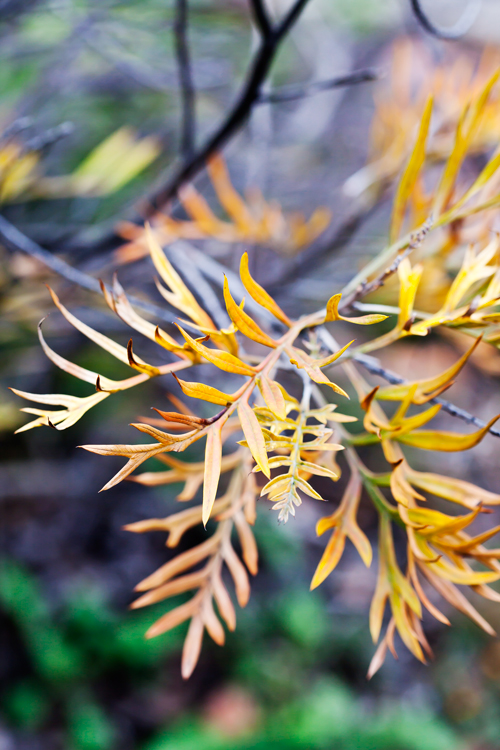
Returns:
(244, 322)
(259, 294)
(332, 313)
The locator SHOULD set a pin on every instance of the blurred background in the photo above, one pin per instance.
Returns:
(91, 113)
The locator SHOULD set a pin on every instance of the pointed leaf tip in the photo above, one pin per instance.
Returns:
(259, 294)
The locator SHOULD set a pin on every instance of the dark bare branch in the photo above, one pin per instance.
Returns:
(291, 93)
(457, 30)
(261, 17)
(237, 116)
(290, 18)
(188, 128)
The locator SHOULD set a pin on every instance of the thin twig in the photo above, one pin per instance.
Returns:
(367, 287)
(375, 368)
(454, 32)
(291, 93)
(185, 80)
(15, 240)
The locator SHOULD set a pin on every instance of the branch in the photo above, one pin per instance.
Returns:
(454, 32)
(15, 240)
(375, 368)
(290, 18)
(291, 93)
(261, 17)
(271, 37)
(367, 287)
(185, 79)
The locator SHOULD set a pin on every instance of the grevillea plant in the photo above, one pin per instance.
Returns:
(290, 439)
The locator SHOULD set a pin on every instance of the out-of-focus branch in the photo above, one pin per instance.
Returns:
(261, 17)
(291, 93)
(454, 32)
(290, 18)
(16, 241)
(323, 249)
(185, 80)
(271, 36)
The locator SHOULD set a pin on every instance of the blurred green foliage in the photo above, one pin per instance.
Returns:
(281, 655)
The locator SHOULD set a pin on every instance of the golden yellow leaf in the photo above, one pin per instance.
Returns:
(180, 296)
(204, 392)
(244, 322)
(484, 177)
(223, 360)
(332, 313)
(192, 647)
(139, 364)
(171, 619)
(198, 209)
(301, 360)
(428, 388)
(61, 419)
(211, 622)
(455, 490)
(137, 455)
(179, 564)
(247, 542)
(122, 307)
(466, 129)
(172, 588)
(344, 523)
(409, 279)
(112, 164)
(104, 342)
(238, 573)
(228, 197)
(455, 597)
(224, 603)
(445, 441)
(410, 174)
(88, 376)
(259, 294)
